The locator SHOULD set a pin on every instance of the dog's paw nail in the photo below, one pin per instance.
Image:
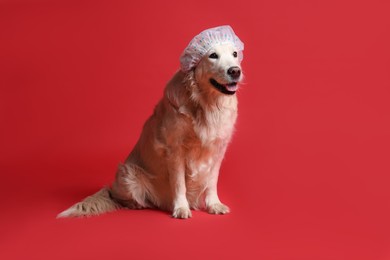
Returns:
(182, 213)
(218, 208)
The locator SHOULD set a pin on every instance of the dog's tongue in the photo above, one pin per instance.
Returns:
(231, 87)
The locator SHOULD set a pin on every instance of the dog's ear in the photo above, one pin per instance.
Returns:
(192, 87)
(189, 81)
(176, 91)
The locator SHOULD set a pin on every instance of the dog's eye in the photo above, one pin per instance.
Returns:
(213, 56)
(235, 54)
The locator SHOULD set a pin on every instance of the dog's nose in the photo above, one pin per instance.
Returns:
(234, 72)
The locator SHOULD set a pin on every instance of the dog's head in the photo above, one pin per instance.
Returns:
(212, 60)
(219, 70)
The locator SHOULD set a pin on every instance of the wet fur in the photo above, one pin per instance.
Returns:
(175, 164)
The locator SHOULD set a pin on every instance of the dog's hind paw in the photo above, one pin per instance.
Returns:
(182, 213)
(218, 208)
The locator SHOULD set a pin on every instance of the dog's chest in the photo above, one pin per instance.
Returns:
(215, 125)
(213, 132)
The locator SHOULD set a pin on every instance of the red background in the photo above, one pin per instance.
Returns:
(307, 173)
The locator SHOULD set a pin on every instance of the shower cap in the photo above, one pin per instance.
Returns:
(203, 42)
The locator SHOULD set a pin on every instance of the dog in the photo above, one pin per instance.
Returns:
(175, 164)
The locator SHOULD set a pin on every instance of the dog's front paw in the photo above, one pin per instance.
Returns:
(182, 213)
(218, 208)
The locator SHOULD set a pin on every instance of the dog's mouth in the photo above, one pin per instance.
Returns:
(228, 89)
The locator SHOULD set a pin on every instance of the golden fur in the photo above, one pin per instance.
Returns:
(175, 164)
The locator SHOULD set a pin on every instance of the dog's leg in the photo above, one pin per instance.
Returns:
(177, 181)
(213, 204)
(130, 187)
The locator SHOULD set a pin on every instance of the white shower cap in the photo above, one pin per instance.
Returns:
(203, 42)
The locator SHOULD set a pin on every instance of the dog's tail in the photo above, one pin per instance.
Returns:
(96, 204)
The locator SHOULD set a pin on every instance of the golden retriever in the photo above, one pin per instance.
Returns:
(175, 164)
